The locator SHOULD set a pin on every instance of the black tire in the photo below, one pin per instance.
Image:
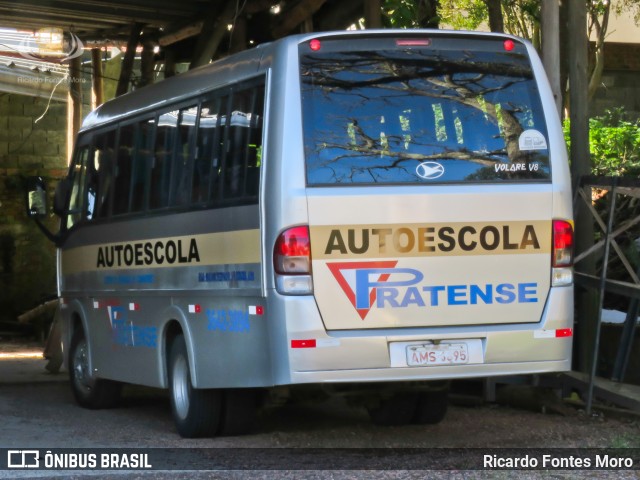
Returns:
(89, 392)
(196, 412)
(239, 411)
(432, 407)
(397, 410)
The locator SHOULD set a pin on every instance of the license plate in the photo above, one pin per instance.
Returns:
(441, 354)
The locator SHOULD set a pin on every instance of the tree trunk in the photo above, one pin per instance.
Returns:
(496, 22)
(587, 316)
(551, 47)
(600, 27)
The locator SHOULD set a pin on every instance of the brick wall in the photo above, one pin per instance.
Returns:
(27, 258)
(620, 85)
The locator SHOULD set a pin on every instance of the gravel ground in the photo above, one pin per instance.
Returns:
(42, 414)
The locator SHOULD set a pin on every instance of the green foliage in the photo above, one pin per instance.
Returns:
(402, 13)
(463, 14)
(614, 144)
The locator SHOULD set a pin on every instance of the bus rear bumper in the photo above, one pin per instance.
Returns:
(429, 373)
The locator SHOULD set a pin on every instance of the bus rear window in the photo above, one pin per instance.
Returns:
(442, 110)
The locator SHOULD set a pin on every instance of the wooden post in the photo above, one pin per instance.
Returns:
(147, 63)
(239, 35)
(96, 72)
(75, 92)
(169, 62)
(551, 47)
(586, 300)
(127, 61)
(372, 14)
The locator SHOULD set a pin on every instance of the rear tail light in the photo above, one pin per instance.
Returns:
(562, 253)
(292, 262)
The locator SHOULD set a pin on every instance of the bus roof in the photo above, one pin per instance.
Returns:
(239, 66)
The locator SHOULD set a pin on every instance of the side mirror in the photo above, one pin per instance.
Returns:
(37, 206)
(36, 198)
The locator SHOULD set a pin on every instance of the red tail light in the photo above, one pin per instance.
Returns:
(562, 255)
(292, 252)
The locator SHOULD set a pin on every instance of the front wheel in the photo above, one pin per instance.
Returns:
(89, 392)
(196, 412)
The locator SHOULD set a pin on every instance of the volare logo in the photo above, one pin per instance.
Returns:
(355, 280)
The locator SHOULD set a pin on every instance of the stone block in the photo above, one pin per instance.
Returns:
(30, 161)
(16, 109)
(20, 147)
(45, 148)
(19, 123)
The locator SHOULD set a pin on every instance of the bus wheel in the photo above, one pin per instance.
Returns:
(89, 392)
(196, 412)
(239, 411)
(432, 407)
(400, 409)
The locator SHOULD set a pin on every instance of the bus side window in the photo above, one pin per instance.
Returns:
(206, 163)
(78, 198)
(241, 171)
(141, 165)
(161, 164)
(219, 151)
(123, 169)
(254, 147)
(182, 171)
(103, 160)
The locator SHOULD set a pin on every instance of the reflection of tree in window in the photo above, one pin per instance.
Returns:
(104, 163)
(77, 200)
(467, 111)
(163, 153)
(180, 193)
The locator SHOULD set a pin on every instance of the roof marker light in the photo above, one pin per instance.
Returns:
(315, 45)
(509, 45)
(413, 42)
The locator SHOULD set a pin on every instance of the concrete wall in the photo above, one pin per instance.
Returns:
(27, 258)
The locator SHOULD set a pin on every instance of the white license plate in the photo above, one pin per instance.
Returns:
(441, 354)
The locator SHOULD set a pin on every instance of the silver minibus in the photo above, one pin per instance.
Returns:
(374, 213)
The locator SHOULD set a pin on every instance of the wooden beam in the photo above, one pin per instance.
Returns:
(181, 33)
(295, 16)
(213, 31)
(127, 61)
(195, 26)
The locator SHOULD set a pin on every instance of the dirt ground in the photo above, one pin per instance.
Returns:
(38, 411)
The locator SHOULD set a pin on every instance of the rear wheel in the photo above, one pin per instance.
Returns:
(432, 407)
(394, 411)
(196, 412)
(239, 411)
(89, 392)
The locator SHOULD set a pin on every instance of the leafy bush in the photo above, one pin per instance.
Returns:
(614, 143)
